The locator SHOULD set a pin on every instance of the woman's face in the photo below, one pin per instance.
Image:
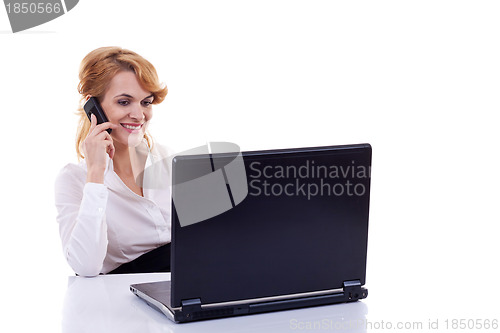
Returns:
(129, 106)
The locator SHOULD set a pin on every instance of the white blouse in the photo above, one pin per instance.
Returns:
(105, 225)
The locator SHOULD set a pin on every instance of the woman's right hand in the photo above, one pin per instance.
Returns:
(96, 145)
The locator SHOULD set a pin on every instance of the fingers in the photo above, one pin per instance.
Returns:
(97, 133)
(98, 128)
(103, 136)
(106, 125)
(93, 120)
(108, 142)
(98, 144)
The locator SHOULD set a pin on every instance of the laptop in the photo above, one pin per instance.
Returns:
(276, 230)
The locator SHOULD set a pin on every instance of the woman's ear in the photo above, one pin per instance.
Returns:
(87, 97)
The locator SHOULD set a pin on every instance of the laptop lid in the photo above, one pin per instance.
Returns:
(301, 227)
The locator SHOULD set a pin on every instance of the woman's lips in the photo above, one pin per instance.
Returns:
(131, 128)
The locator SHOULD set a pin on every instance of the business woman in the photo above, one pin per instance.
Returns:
(108, 221)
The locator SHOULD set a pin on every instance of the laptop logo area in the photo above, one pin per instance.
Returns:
(204, 187)
(210, 186)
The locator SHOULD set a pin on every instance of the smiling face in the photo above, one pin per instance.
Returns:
(129, 106)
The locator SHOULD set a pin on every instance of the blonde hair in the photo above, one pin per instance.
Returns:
(96, 71)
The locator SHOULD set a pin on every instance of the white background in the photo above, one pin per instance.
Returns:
(419, 80)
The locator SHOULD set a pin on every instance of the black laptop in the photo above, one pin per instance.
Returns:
(289, 229)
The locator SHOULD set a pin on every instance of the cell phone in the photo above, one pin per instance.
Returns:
(92, 106)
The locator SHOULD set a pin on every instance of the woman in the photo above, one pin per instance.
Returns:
(108, 222)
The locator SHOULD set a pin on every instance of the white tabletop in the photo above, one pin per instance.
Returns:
(105, 304)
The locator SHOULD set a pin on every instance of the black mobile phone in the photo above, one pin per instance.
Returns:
(92, 106)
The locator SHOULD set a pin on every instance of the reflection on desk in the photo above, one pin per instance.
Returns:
(105, 304)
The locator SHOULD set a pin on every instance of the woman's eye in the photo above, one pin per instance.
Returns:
(147, 103)
(123, 102)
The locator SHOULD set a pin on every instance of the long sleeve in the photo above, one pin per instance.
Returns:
(81, 209)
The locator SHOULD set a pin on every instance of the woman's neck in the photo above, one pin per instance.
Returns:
(129, 161)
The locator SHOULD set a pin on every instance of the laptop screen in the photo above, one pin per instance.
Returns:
(300, 226)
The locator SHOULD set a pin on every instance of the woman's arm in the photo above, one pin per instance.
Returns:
(81, 203)
(81, 216)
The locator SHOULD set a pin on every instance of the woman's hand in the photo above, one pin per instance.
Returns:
(96, 145)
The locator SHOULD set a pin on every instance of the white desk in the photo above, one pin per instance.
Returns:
(105, 304)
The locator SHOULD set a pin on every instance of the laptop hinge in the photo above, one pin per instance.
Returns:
(354, 291)
(191, 305)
